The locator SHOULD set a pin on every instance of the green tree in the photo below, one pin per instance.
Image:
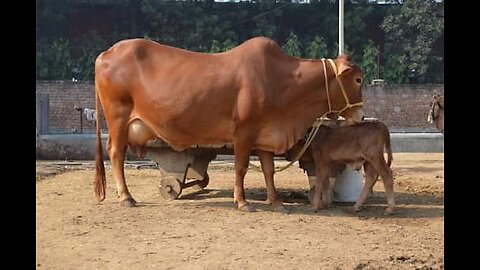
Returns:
(395, 67)
(54, 61)
(216, 47)
(356, 23)
(51, 17)
(369, 62)
(221, 47)
(292, 46)
(184, 24)
(89, 47)
(228, 44)
(317, 48)
(410, 31)
(264, 27)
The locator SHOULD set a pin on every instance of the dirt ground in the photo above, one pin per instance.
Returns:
(203, 230)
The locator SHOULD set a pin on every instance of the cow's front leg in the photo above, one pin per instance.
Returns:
(242, 152)
(266, 159)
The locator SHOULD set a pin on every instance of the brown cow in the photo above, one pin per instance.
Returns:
(253, 96)
(355, 145)
(435, 115)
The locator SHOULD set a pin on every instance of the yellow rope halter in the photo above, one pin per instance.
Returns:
(347, 101)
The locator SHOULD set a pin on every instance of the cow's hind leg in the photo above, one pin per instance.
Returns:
(371, 176)
(266, 159)
(117, 149)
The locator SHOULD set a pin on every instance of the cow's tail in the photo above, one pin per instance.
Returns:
(388, 147)
(100, 179)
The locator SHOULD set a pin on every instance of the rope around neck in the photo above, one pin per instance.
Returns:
(326, 82)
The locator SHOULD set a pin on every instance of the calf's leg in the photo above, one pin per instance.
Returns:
(387, 177)
(320, 197)
(371, 176)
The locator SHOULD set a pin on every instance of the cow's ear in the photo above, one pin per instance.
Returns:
(342, 68)
(344, 64)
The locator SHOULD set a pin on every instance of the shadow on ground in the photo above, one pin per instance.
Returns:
(408, 205)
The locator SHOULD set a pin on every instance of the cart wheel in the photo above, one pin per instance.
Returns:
(202, 184)
(170, 188)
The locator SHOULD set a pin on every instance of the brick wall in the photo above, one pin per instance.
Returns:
(400, 107)
(64, 95)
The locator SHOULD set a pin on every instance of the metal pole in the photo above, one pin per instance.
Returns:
(340, 27)
(378, 63)
(81, 122)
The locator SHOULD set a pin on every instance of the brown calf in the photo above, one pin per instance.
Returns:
(355, 145)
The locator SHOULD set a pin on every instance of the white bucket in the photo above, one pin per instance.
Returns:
(348, 185)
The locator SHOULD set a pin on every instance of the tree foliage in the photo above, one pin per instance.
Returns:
(406, 36)
(369, 62)
(221, 46)
(317, 48)
(89, 47)
(411, 30)
(292, 46)
(55, 62)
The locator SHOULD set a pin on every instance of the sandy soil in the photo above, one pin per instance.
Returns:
(203, 230)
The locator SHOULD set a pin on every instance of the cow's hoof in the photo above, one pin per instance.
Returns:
(358, 208)
(247, 208)
(389, 211)
(281, 209)
(317, 209)
(129, 202)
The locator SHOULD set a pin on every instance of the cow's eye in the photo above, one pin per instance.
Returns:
(359, 80)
